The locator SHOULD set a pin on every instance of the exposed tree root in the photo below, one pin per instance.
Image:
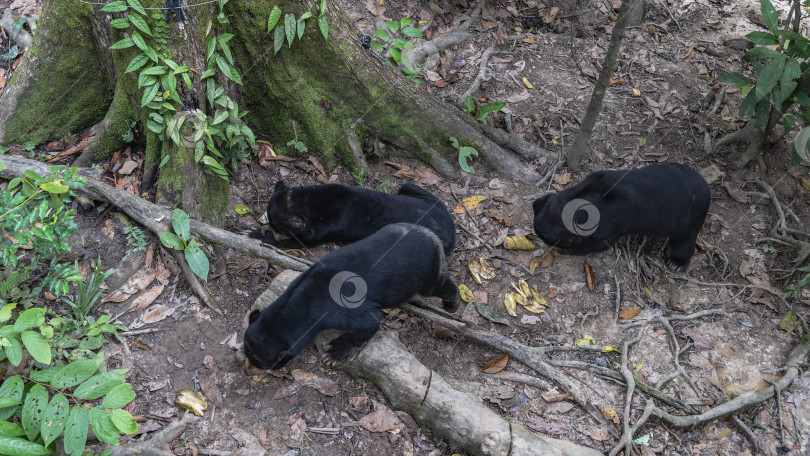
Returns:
(195, 284)
(483, 74)
(781, 231)
(160, 444)
(442, 42)
(21, 37)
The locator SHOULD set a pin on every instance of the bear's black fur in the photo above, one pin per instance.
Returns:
(317, 214)
(659, 200)
(393, 264)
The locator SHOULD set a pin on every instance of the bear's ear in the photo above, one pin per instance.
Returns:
(280, 185)
(253, 316)
(538, 204)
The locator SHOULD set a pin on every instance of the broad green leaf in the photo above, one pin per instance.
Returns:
(55, 418)
(5, 312)
(10, 429)
(768, 77)
(289, 28)
(300, 28)
(155, 70)
(412, 32)
(769, 15)
(45, 375)
(181, 224)
(76, 431)
(761, 112)
(197, 261)
(33, 410)
(212, 47)
(137, 62)
(171, 240)
(305, 16)
(11, 388)
(748, 104)
(8, 402)
(21, 447)
(278, 39)
(404, 22)
(171, 64)
(151, 54)
(382, 34)
(275, 15)
(120, 23)
(139, 22)
(376, 46)
(180, 70)
(123, 421)
(324, 26)
(763, 38)
(57, 186)
(118, 397)
(139, 41)
(123, 44)
(114, 7)
(793, 36)
(100, 384)
(37, 346)
(736, 78)
(242, 209)
(149, 94)
(207, 73)
(464, 154)
(136, 5)
(393, 26)
(14, 352)
(75, 373)
(103, 427)
(30, 318)
(792, 71)
(154, 127)
(759, 52)
(229, 71)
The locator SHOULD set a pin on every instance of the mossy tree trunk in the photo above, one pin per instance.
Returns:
(329, 94)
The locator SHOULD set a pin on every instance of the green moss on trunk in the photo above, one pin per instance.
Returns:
(72, 87)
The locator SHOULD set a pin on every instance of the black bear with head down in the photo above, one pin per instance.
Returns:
(347, 290)
(317, 214)
(668, 200)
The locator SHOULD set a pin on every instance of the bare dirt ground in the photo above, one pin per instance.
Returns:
(673, 63)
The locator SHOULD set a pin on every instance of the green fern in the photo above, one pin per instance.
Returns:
(12, 281)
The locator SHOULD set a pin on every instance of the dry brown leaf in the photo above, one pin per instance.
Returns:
(609, 413)
(595, 433)
(382, 419)
(147, 297)
(497, 215)
(527, 83)
(208, 385)
(589, 276)
(518, 97)
(496, 365)
(517, 243)
(616, 82)
(108, 229)
(139, 281)
(287, 391)
(564, 178)
(546, 426)
(323, 385)
(534, 264)
(553, 396)
(529, 41)
(317, 165)
(700, 340)
(546, 259)
(510, 304)
(689, 55)
(550, 14)
(376, 8)
(155, 314)
(560, 407)
(629, 312)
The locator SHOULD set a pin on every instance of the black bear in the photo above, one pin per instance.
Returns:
(317, 214)
(347, 290)
(658, 200)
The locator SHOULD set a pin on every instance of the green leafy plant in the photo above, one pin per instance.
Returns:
(35, 409)
(396, 46)
(136, 240)
(35, 220)
(384, 186)
(292, 28)
(181, 240)
(778, 73)
(3, 149)
(297, 145)
(129, 135)
(87, 293)
(220, 139)
(359, 176)
(795, 291)
(464, 154)
(481, 113)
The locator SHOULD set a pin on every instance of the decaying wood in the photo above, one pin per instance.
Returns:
(154, 217)
(160, 444)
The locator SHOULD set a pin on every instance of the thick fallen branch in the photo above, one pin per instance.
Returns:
(154, 217)
(160, 444)
(457, 416)
(442, 42)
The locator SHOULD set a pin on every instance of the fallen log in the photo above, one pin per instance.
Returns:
(456, 415)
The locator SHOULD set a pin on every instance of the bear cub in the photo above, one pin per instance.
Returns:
(316, 214)
(669, 200)
(347, 290)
